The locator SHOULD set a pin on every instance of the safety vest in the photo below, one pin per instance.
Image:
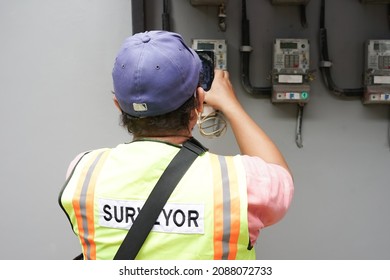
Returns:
(204, 218)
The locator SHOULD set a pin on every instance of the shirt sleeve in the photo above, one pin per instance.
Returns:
(270, 189)
(73, 164)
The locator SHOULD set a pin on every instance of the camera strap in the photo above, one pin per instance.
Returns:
(153, 206)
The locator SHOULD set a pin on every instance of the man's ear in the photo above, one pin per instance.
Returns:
(200, 94)
(117, 104)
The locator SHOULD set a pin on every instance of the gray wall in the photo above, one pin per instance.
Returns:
(55, 81)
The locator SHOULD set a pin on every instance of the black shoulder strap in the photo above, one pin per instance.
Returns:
(158, 198)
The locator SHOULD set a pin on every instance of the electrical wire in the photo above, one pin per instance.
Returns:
(165, 17)
(212, 125)
(325, 63)
(302, 10)
(138, 15)
(298, 132)
(245, 50)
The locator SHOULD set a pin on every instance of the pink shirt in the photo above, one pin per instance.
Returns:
(270, 189)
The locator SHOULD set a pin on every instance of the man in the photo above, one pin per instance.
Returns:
(222, 202)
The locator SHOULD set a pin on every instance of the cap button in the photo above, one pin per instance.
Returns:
(145, 38)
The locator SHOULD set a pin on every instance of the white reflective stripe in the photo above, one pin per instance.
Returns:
(226, 208)
(83, 205)
(174, 218)
(228, 222)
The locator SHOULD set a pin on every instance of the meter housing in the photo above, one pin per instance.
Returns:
(290, 74)
(377, 72)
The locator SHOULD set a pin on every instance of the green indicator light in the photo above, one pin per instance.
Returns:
(304, 95)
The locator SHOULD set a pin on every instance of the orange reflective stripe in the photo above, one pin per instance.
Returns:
(76, 202)
(226, 208)
(218, 208)
(83, 204)
(234, 209)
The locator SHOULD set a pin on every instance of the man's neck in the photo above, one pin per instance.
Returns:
(174, 139)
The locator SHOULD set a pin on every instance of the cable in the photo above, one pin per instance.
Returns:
(138, 15)
(298, 132)
(302, 10)
(165, 17)
(325, 63)
(212, 124)
(245, 50)
(388, 13)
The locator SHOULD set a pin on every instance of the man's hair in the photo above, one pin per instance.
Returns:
(163, 125)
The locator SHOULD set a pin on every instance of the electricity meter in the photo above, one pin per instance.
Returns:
(213, 55)
(290, 74)
(289, 2)
(377, 72)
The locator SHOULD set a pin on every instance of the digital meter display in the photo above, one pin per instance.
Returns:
(382, 47)
(205, 46)
(288, 45)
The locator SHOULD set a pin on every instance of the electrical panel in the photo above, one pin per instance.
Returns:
(377, 72)
(206, 2)
(289, 2)
(291, 74)
(375, 1)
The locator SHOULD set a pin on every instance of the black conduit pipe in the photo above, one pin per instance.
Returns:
(138, 15)
(325, 63)
(166, 25)
(245, 59)
(302, 10)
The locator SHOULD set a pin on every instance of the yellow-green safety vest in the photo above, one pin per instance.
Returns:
(204, 218)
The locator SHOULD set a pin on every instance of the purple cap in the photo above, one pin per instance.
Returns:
(155, 72)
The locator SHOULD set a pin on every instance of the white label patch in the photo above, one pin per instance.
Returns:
(382, 80)
(175, 217)
(290, 79)
(140, 107)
